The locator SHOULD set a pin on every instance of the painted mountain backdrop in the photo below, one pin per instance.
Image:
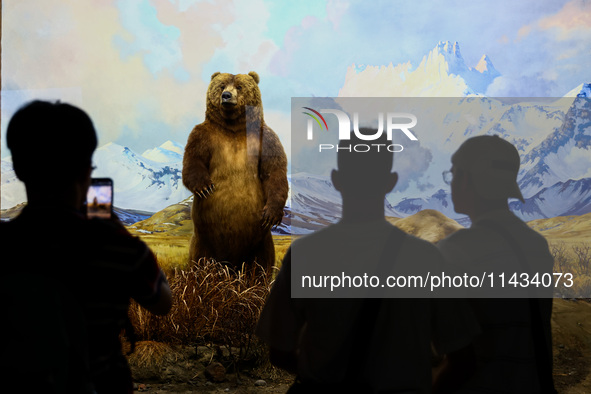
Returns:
(553, 137)
(147, 182)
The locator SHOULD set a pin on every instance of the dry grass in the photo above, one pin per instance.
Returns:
(149, 354)
(172, 252)
(171, 257)
(282, 243)
(575, 259)
(212, 303)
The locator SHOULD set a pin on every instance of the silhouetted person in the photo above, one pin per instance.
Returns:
(354, 344)
(66, 280)
(514, 352)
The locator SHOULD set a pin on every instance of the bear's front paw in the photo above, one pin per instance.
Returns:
(271, 217)
(204, 192)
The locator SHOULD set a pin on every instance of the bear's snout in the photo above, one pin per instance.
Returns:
(229, 97)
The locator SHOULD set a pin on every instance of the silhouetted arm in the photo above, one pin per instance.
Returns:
(163, 302)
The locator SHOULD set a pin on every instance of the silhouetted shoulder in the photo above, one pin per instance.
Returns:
(417, 245)
(421, 256)
(453, 246)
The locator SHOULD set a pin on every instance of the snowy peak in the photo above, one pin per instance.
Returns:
(142, 182)
(448, 56)
(446, 47)
(564, 153)
(173, 146)
(114, 150)
(445, 57)
(583, 90)
(441, 73)
(168, 152)
(485, 66)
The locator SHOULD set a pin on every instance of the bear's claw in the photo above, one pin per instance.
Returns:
(206, 191)
(270, 220)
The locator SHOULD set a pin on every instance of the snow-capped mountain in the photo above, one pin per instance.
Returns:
(440, 201)
(146, 183)
(314, 196)
(561, 199)
(13, 190)
(564, 154)
(168, 152)
(441, 73)
(140, 183)
(583, 90)
(313, 202)
(553, 138)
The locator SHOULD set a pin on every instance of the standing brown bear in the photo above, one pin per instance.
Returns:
(236, 168)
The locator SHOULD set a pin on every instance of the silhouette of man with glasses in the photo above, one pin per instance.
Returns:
(514, 351)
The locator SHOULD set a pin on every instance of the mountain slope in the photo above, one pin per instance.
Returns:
(13, 190)
(564, 154)
(139, 183)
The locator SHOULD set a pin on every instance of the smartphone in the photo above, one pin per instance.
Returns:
(99, 199)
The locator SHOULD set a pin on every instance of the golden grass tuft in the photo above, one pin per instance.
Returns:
(212, 303)
(149, 354)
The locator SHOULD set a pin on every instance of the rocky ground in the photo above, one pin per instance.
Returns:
(163, 369)
(160, 368)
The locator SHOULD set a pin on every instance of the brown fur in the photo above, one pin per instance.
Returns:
(232, 219)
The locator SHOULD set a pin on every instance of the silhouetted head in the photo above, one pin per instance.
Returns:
(485, 167)
(51, 143)
(364, 167)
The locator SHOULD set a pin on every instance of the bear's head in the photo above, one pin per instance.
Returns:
(229, 96)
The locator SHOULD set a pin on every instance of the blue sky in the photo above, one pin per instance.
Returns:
(141, 68)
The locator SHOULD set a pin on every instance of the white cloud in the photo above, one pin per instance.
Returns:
(521, 86)
(55, 46)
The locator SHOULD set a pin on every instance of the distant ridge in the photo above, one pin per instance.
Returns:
(176, 220)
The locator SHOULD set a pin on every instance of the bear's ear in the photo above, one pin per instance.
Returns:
(254, 76)
(215, 74)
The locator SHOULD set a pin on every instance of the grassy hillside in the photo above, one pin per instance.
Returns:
(427, 224)
(174, 220)
(564, 228)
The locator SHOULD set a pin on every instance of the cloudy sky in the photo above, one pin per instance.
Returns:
(141, 67)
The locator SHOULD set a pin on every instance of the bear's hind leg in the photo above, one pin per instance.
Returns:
(265, 255)
(197, 250)
(193, 249)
